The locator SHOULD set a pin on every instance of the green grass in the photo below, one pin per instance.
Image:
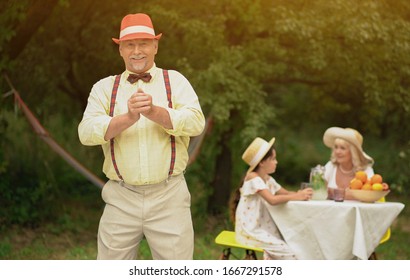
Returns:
(73, 237)
(397, 247)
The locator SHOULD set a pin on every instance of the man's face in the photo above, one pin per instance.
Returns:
(138, 54)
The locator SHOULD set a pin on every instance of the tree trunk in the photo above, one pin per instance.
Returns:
(221, 184)
(37, 13)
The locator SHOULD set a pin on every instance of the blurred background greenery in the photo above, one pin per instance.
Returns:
(282, 68)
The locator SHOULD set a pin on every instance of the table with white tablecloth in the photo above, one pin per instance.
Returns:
(325, 229)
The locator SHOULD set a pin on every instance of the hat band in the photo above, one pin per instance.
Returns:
(259, 155)
(136, 29)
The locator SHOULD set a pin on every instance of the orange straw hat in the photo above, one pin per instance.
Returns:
(348, 134)
(256, 151)
(136, 26)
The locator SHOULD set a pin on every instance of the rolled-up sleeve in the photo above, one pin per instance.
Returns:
(186, 114)
(96, 119)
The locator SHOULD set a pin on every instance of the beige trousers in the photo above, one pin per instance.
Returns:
(160, 212)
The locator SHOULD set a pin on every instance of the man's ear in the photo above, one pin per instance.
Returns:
(156, 46)
(119, 48)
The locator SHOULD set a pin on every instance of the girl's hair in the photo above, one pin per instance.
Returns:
(359, 162)
(234, 201)
(236, 195)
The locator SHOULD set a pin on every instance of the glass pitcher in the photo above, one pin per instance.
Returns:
(318, 183)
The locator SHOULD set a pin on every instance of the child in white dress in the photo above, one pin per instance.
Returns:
(253, 224)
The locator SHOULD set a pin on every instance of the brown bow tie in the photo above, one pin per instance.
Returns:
(132, 78)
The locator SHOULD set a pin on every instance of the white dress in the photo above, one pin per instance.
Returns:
(330, 174)
(254, 226)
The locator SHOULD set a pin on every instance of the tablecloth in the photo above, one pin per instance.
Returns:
(324, 229)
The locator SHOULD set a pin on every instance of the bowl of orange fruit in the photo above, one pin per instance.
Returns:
(367, 189)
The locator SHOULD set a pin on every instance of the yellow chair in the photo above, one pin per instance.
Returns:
(387, 234)
(385, 237)
(227, 239)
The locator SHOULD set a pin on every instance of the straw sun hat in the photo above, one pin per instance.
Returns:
(348, 134)
(136, 26)
(256, 151)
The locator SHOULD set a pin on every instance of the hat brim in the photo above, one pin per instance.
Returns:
(335, 132)
(270, 144)
(137, 36)
(332, 133)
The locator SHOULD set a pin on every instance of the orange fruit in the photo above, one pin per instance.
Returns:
(356, 184)
(376, 178)
(377, 187)
(362, 176)
(367, 187)
(385, 186)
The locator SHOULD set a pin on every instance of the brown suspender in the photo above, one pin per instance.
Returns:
(112, 105)
(173, 149)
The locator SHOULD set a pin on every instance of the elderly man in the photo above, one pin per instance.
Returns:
(143, 119)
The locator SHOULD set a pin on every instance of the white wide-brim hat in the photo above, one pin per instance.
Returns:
(256, 151)
(348, 134)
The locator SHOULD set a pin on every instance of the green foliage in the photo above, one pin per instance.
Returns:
(23, 190)
(34, 180)
(297, 153)
(11, 12)
(265, 68)
(392, 166)
(5, 248)
(402, 166)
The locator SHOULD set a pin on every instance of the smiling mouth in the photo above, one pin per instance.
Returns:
(137, 58)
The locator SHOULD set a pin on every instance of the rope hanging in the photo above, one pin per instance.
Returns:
(45, 136)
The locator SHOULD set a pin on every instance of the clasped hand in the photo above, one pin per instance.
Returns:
(139, 103)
